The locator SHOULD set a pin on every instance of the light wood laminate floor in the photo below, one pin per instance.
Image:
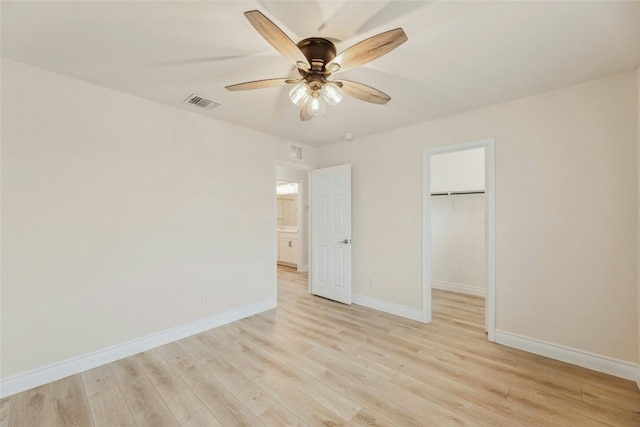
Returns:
(316, 362)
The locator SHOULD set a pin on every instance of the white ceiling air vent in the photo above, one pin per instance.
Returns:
(201, 102)
(295, 151)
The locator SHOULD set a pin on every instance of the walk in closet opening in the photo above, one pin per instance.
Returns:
(458, 224)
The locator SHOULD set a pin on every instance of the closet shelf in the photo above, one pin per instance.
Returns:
(454, 193)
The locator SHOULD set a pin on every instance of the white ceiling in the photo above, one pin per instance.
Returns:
(459, 56)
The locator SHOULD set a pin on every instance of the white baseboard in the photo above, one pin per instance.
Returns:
(387, 307)
(596, 362)
(28, 380)
(458, 287)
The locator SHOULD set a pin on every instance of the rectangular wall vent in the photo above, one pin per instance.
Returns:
(201, 102)
(295, 151)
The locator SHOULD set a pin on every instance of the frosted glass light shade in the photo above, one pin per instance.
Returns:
(316, 103)
(299, 94)
(332, 93)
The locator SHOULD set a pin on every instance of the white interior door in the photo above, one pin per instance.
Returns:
(331, 233)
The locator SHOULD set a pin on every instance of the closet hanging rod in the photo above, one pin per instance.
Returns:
(455, 193)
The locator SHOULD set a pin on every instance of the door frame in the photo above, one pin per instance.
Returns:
(490, 200)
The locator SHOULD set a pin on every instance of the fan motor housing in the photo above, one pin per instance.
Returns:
(318, 52)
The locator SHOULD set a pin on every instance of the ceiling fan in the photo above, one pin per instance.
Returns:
(316, 60)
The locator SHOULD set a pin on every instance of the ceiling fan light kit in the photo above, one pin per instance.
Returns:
(316, 59)
(303, 93)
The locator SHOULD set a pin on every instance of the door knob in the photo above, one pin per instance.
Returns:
(345, 241)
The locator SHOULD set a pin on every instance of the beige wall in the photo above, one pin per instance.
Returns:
(638, 172)
(458, 245)
(458, 171)
(566, 212)
(119, 213)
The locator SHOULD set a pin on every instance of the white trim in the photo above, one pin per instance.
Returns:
(303, 268)
(37, 377)
(478, 291)
(426, 241)
(387, 307)
(490, 200)
(596, 362)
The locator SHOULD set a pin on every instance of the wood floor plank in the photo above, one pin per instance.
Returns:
(386, 398)
(144, 402)
(220, 345)
(244, 389)
(31, 408)
(203, 417)
(301, 405)
(282, 345)
(222, 403)
(476, 389)
(472, 385)
(276, 341)
(337, 403)
(278, 415)
(178, 397)
(367, 418)
(553, 411)
(378, 350)
(609, 388)
(109, 409)
(98, 380)
(5, 411)
(455, 403)
(385, 405)
(69, 404)
(500, 373)
(349, 349)
(579, 409)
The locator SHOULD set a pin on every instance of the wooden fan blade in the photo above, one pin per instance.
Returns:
(276, 37)
(364, 92)
(260, 84)
(369, 49)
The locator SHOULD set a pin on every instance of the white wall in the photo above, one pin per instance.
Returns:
(458, 247)
(119, 213)
(566, 212)
(458, 171)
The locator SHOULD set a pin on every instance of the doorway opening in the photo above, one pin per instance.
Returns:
(292, 215)
(459, 224)
(288, 224)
